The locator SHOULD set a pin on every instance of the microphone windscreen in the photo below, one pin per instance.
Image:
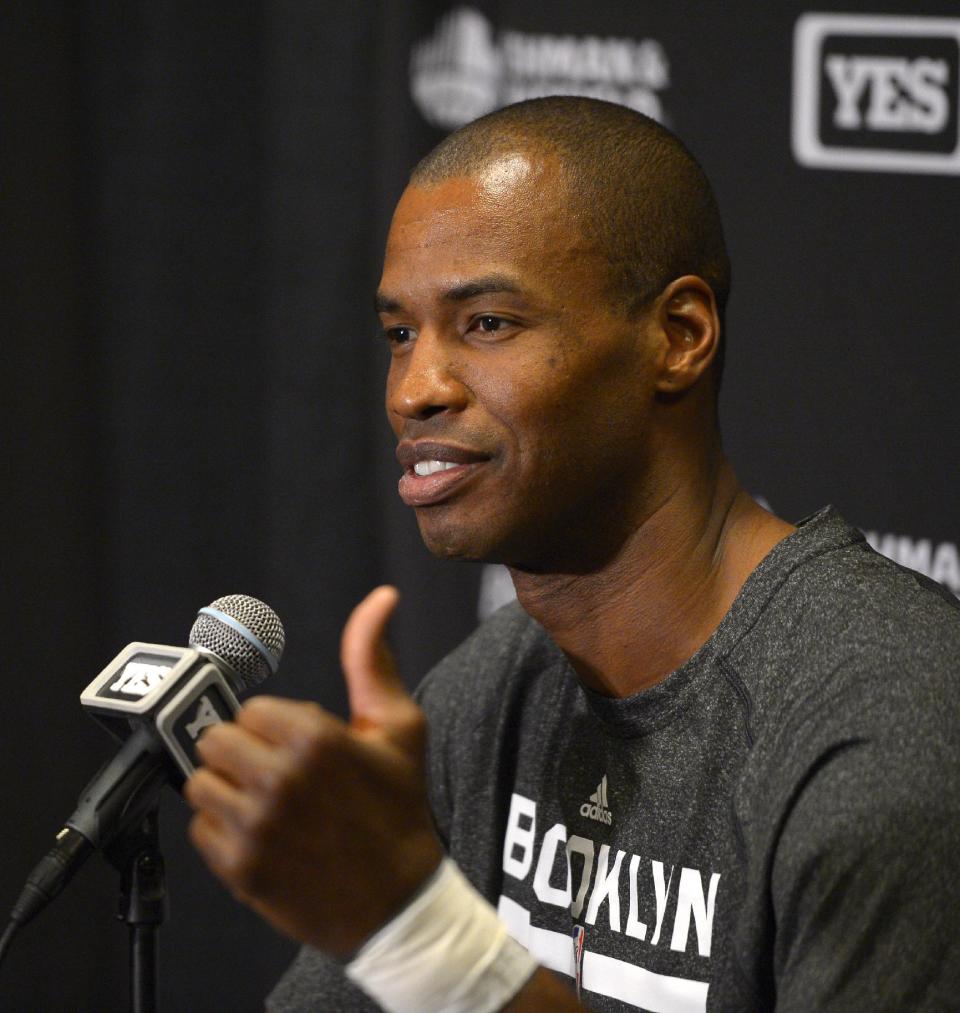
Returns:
(244, 633)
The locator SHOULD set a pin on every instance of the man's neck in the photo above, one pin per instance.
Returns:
(628, 625)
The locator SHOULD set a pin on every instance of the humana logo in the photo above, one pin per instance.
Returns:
(596, 808)
(938, 560)
(468, 67)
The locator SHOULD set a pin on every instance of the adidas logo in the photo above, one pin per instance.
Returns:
(596, 808)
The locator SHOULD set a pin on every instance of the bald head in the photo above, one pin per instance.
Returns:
(627, 183)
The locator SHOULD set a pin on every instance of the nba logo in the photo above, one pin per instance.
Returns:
(579, 934)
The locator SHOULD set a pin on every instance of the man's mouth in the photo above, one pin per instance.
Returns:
(433, 471)
(432, 467)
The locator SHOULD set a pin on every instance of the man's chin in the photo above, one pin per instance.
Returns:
(446, 548)
(472, 543)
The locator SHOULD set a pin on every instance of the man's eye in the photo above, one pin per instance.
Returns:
(489, 323)
(398, 335)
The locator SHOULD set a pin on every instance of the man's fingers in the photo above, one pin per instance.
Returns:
(220, 847)
(294, 724)
(289, 788)
(363, 646)
(209, 793)
(240, 756)
(376, 691)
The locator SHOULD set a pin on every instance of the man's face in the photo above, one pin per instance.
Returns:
(518, 391)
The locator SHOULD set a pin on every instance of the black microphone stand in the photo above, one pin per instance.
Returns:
(143, 904)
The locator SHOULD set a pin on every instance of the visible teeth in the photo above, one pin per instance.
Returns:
(429, 467)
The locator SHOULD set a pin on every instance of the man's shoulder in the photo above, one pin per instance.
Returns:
(848, 643)
(834, 602)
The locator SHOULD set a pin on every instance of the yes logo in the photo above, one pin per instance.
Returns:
(900, 94)
(877, 93)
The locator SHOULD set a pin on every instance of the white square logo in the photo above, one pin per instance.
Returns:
(877, 93)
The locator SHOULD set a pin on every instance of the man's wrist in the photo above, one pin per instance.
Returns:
(446, 950)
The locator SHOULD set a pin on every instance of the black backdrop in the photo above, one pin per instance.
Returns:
(196, 196)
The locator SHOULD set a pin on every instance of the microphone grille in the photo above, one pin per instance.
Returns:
(254, 650)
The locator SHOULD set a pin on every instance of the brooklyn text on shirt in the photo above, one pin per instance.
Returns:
(651, 901)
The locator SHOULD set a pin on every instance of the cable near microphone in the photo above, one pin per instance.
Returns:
(157, 699)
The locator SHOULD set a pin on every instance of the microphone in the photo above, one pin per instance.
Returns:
(157, 699)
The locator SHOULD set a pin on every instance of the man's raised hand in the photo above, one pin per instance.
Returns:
(322, 826)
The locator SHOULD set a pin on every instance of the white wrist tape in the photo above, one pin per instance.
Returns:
(447, 950)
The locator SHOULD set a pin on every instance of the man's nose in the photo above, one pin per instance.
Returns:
(427, 380)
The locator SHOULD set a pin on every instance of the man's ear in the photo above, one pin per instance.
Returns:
(686, 318)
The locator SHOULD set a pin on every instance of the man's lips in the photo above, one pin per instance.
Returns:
(442, 467)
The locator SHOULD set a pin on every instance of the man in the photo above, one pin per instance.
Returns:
(710, 760)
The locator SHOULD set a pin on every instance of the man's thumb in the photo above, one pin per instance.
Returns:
(377, 695)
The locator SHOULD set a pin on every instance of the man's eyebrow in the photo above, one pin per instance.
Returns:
(383, 303)
(491, 283)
